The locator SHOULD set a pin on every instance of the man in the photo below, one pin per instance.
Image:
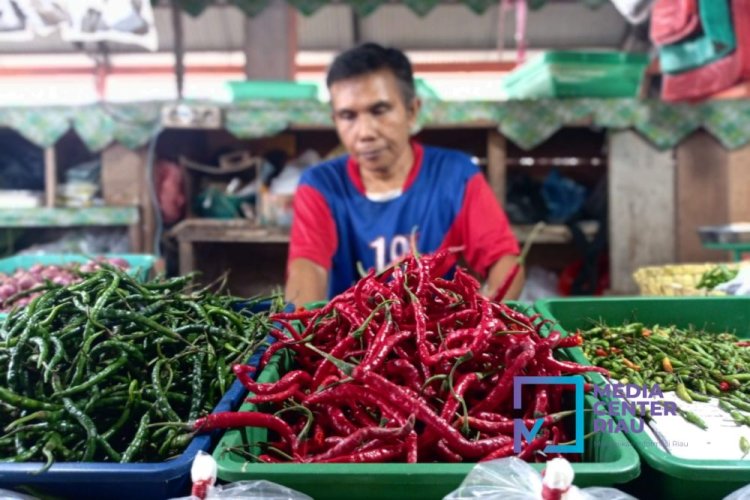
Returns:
(362, 209)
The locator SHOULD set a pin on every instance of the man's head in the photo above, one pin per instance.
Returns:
(374, 105)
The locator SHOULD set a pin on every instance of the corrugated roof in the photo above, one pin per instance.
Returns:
(450, 26)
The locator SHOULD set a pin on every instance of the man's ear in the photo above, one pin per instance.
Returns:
(413, 112)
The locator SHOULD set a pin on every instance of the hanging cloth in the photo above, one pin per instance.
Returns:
(719, 75)
(716, 40)
(673, 20)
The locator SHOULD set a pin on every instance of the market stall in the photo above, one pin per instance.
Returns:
(147, 349)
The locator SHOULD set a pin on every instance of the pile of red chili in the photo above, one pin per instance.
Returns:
(406, 366)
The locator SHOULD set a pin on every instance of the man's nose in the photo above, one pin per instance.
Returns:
(367, 128)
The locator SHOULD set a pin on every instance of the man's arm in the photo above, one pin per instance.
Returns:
(306, 282)
(497, 274)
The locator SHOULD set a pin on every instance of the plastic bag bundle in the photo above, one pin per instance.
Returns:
(513, 479)
(204, 472)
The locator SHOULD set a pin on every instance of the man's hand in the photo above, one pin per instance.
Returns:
(497, 274)
(306, 282)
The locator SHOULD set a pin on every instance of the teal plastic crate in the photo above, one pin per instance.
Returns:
(275, 90)
(560, 74)
(609, 459)
(140, 264)
(663, 475)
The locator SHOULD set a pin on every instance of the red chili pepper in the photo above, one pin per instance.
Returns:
(363, 435)
(283, 395)
(383, 454)
(398, 396)
(601, 352)
(571, 341)
(572, 368)
(405, 371)
(537, 444)
(504, 386)
(412, 450)
(235, 420)
(341, 424)
(447, 455)
(725, 386)
(379, 356)
(503, 451)
(296, 377)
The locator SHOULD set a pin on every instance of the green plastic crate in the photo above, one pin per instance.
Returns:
(140, 264)
(276, 90)
(577, 74)
(609, 459)
(663, 475)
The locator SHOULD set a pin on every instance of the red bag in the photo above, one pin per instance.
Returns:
(170, 191)
(717, 76)
(673, 20)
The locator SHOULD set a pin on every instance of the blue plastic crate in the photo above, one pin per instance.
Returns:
(142, 481)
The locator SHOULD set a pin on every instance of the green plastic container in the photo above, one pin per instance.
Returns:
(276, 90)
(663, 476)
(560, 74)
(140, 264)
(609, 459)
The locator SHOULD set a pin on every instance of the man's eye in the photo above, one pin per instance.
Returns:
(379, 110)
(346, 116)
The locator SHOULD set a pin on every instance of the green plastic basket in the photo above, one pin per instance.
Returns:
(608, 459)
(560, 74)
(276, 90)
(663, 476)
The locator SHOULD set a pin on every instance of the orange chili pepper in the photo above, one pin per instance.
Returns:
(667, 365)
(646, 332)
(630, 364)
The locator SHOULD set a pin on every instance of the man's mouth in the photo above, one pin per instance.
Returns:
(369, 155)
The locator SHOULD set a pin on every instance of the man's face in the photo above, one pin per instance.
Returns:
(372, 120)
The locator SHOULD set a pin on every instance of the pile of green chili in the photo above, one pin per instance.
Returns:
(110, 369)
(696, 365)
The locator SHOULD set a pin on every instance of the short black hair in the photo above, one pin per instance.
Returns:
(369, 58)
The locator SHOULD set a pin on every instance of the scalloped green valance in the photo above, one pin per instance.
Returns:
(526, 123)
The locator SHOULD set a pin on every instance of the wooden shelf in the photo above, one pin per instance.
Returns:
(69, 217)
(555, 233)
(227, 231)
(241, 231)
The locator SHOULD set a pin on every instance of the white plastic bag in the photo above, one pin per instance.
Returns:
(635, 11)
(203, 474)
(513, 479)
(13, 495)
(740, 285)
(741, 494)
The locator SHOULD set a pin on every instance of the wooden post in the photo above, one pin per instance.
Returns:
(496, 167)
(50, 177)
(702, 189)
(641, 208)
(271, 43)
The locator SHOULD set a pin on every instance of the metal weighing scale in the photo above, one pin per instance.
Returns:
(730, 237)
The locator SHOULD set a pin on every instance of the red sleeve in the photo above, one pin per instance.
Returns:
(482, 228)
(313, 233)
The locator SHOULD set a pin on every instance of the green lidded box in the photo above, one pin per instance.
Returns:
(609, 460)
(663, 475)
(275, 90)
(557, 74)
